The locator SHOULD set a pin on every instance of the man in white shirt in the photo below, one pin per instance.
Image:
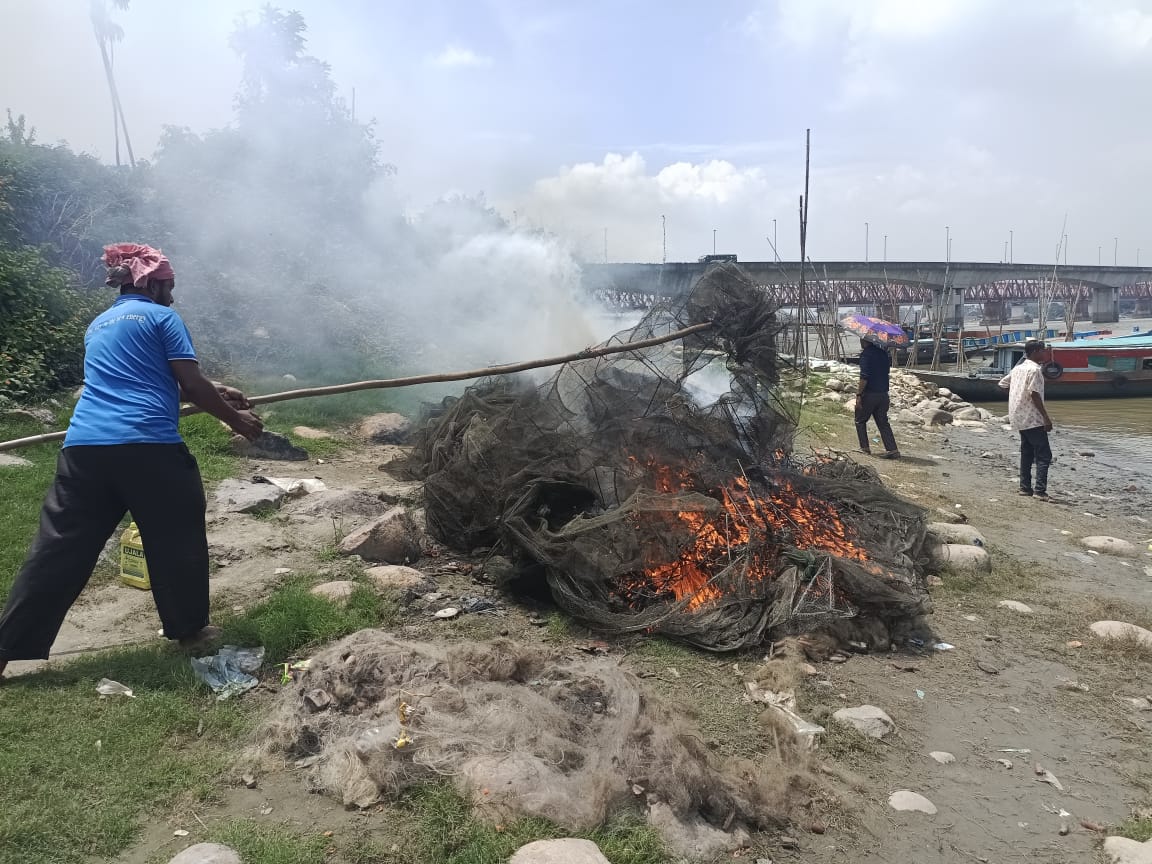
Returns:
(1028, 416)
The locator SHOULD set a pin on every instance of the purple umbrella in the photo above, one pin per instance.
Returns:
(875, 330)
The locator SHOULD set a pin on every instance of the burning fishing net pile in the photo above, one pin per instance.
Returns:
(520, 734)
(655, 490)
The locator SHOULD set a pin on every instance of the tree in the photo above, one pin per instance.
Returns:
(18, 131)
(108, 33)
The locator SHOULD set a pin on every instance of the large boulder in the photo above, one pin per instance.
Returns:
(962, 558)
(338, 591)
(1121, 850)
(566, 851)
(866, 719)
(1123, 631)
(207, 853)
(9, 461)
(394, 538)
(396, 577)
(950, 532)
(341, 503)
(270, 445)
(936, 417)
(1111, 545)
(387, 428)
(967, 414)
(240, 496)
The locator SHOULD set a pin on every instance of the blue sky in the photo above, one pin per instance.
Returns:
(981, 116)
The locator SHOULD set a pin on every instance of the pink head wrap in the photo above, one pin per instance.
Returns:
(133, 264)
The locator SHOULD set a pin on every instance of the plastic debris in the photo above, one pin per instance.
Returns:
(943, 757)
(447, 612)
(230, 671)
(784, 704)
(179, 832)
(944, 646)
(1007, 763)
(1068, 684)
(286, 670)
(1050, 778)
(108, 687)
(919, 694)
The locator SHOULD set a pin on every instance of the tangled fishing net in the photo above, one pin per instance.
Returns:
(656, 490)
(519, 733)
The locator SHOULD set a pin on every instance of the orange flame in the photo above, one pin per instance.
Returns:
(784, 516)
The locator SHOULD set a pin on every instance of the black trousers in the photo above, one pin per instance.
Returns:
(874, 406)
(94, 486)
(1034, 448)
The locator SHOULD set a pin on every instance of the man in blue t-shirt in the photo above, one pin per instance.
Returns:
(123, 453)
(872, 400)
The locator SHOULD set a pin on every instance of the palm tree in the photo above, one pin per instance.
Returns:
(108, 33)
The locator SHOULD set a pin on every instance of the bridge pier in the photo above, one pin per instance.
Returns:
(997, 312)
(1105, 304)
(949, 305)
(1144, 307)
(1083, 309)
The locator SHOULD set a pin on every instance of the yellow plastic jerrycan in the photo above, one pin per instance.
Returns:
(133, 566)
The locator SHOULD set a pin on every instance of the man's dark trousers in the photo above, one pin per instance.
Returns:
(874, 406)
(1034, 448)
(94, 487)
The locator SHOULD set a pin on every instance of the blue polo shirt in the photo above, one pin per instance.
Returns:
(875, 366)
(130, 394)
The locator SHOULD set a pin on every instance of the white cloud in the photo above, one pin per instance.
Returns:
(456, 56)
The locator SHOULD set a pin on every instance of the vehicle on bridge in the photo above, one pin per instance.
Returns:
(1084, 369)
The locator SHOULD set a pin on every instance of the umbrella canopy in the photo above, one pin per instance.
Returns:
(882, 333)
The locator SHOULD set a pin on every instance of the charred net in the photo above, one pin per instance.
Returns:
(656, 490)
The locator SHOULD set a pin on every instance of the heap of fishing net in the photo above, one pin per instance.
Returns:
(622, 479)
(520, 734)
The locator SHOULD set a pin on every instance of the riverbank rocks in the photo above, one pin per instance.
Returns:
(1121, 850)
(1015, 606)
(394, 538)
(338, 591)
(866, 719)
(43, 416)
(270, 445)
(913, 802)
(1109, 545)
(962, 558)
(952, 532)
(9, 461)
(240, 496)
(566, 851)
(387, 428)
(396, 577)
(1122, 631)
(913, 401)
(207, 853)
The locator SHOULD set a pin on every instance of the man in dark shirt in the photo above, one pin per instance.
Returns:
(872, 398)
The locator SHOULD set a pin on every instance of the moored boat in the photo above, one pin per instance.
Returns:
(1119, 366)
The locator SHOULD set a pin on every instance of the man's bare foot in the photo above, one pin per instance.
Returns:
(202, 639)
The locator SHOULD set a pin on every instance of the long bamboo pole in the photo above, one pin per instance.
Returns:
(434, 378)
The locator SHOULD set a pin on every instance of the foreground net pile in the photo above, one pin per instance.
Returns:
(520, 734)
(656, 491)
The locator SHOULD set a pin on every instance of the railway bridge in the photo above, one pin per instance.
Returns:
(942, 286)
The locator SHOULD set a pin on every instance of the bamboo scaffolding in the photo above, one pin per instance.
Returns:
(434, 378)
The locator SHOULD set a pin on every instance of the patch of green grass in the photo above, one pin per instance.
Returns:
(208, 441)
(1009, 578)
(263, 844)
(1136, 828)
(293, 620)
(78, 772)
(24, 490)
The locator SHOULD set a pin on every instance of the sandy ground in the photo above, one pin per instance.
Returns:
(1000, 689)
